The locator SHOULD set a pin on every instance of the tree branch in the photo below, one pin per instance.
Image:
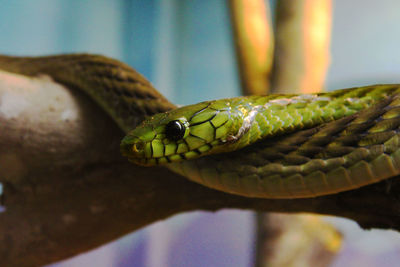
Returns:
(302, 39)
(67, 189)
(254, 44)
(301, 59)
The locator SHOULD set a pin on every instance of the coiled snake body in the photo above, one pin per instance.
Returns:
(276, 146)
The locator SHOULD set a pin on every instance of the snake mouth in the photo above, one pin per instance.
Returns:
(131, 148)
(156, 149)
(151, 161)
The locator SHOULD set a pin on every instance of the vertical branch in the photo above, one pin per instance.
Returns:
(302, 45)
(301, 60)
(254, 44)
(301, 240)
(300, 63)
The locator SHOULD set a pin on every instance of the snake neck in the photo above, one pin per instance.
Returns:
(262, 117)
(122, 92)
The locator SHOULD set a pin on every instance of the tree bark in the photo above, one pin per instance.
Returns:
(302, 38)
(301, 56)
(67, 190)
(254, 43)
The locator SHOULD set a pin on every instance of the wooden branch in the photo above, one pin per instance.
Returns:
(254, 44)
(67, 189)
(301, 240)
(302, 49)
(302, 39)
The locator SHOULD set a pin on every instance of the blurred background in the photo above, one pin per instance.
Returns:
(186, 49)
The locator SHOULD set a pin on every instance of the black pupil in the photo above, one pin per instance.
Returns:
(174, 130)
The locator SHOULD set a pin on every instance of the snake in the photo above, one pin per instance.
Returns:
(278, 146)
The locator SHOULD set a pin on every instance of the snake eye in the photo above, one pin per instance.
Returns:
(175, 130)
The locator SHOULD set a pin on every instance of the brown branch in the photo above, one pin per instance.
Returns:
(254, 44)
(302, 240)
(306, 60)
(67, 189)
(302, 39)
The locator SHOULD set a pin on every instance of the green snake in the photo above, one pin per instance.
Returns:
(275, 146)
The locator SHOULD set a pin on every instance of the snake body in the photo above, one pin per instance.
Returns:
(276, 146)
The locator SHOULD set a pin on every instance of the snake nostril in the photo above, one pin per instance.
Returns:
(137, 147)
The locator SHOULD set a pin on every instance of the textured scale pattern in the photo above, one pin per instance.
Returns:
(344, 154)
(230, 124)
(280, 146)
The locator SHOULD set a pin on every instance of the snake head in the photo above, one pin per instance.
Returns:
(184, 133)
